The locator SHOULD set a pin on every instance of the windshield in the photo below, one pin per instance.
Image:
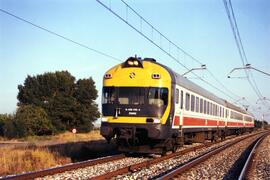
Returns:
(158, 96)
(135, 96)
(109, 95)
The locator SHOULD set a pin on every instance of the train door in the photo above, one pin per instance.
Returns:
(177, 122)
(181, 107)
(176, 119)
(181, 113)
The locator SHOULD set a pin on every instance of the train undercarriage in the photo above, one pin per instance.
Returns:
(156, 140)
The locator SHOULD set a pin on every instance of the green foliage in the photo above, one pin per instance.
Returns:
(10, 129)
(28, 120)
(68, 104)
(85, 91)
(4, 118)
(86, 110)
(260, 124)
(32, 120)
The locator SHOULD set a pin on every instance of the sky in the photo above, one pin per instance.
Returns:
(201, 28)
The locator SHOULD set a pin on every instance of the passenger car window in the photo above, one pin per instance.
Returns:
(192, 102)
(201, 105)
(187, 101)
(197, 104)
(181, 105)
(204, 106)
(177, 96)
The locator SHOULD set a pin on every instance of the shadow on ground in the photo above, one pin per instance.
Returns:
(79, 151)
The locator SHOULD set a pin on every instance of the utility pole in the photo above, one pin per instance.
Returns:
(262, 121)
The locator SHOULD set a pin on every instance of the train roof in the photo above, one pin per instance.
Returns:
(234, 107)
(184, 82)
(203, 92)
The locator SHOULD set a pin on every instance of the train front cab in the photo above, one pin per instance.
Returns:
(137, 105)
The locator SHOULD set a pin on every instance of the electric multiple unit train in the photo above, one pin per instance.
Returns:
(147, 107)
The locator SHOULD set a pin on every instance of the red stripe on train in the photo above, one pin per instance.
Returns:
(189, 121)
(235, 124)
(176, 121)
(221, 123)
(211, 122)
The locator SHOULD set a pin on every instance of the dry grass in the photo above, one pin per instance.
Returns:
(36, 153)
(19, 160)
(57, 139)
(68, 136)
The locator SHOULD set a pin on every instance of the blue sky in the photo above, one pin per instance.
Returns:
(199, 27)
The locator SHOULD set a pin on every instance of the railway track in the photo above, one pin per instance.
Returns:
(146, 164)
(257, 165)
(250, 157)
(60, 169)
(151, 169)
(121, 166)
(225, 162)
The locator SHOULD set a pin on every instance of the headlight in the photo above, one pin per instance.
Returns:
(156, 120)
(104, 119)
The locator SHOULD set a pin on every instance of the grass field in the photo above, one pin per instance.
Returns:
(63, 138)
(18, 160)
(45, 152)
(59, 138)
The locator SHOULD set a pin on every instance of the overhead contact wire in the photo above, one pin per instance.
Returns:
(61, 36)
(163, 50)
(241, 51)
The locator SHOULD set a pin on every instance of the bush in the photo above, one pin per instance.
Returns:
(31, 120)
(10, 129)
(4, 118)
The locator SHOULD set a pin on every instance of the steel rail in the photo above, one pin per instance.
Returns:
(68, 167)
(131, 168)
(200, 159)
(146, 164)
(248, 162)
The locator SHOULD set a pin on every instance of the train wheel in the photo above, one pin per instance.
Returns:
(174, 145)
(174, 148)
(164, 151)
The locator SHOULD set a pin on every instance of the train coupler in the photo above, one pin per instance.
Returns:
(126, 136)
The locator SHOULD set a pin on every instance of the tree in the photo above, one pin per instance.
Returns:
(260, 124)
(86, 109)
(85, 91)
(68, 104)
(257, 123)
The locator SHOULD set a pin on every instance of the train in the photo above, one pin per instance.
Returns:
(149, 108)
